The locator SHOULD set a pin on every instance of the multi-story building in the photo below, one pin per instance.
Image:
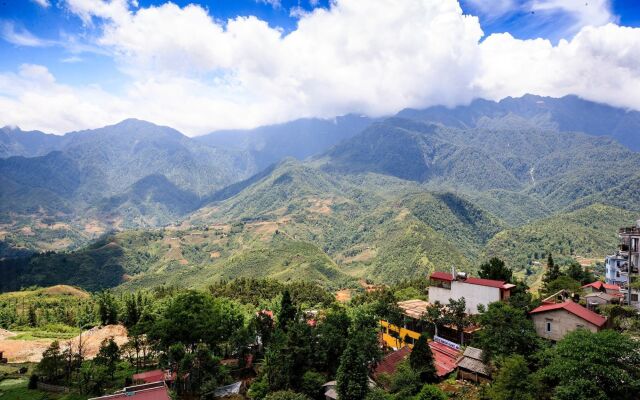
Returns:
(622, 268)
(476, 291)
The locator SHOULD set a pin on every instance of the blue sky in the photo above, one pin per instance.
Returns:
(290, 61)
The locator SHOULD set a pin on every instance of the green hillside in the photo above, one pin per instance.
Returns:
(590, 232)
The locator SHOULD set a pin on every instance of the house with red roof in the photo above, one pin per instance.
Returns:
(599, 286)
(476, 291)
(554, 321)
(444, 359)
(148, 391)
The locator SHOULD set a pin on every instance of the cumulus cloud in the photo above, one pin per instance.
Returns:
(193, 72)
(599, 64)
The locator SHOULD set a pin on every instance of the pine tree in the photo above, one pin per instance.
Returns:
(552, 273)
(352, 379)
(421, 360)
(287, 311)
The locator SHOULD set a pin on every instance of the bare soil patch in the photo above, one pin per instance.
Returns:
(19, 351)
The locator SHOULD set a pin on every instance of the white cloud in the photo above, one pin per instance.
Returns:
(195, 73)
(71, 60)
(583, 12)
(273, 3)
(42, 3)
(599, 64)
(21, 36)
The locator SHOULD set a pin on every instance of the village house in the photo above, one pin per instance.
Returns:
(595, 300)
(476, 291)
(622, 268)
(601, 287)
(554, 321)
(471, 366)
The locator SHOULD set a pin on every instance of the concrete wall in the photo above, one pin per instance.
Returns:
(562, 322)
(473, 295)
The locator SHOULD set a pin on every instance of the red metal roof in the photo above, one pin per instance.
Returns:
(444, 358)
(157, 393)
(575, 309)
(149, 376)
(473, 281)
(390, 362)
(599, 285)
(442, 276)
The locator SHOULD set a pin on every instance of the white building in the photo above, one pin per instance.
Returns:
(444, 286)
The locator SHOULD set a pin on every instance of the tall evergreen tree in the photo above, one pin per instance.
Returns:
(287, 311)
(421, 360)
(551, 274)
(352, 377)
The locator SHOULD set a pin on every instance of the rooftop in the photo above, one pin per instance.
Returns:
(390, 362)
(444, 358)
(142, 392)
(472, 360)
(575, 309)
(413, 308)
(473, 281)
(150, 376)
(599, 285)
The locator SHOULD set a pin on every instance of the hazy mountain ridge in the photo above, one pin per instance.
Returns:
(568, 113)
(397, 199)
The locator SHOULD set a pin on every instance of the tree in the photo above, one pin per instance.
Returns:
(431, 392)
(506, 331)
(333, 335)
(562, 283)
(602, 365)
(551, 274)
(312, 385)
(131, 312)
(352, 377)
(434, 315)
(51, 366)
(194, 317)
(287, 312)
(521, 298)
(495, 269)
(107, 308)
(456, 315)
(582, 275)
(108, 355)
(289, 356)
(405, 382)
(421, 360)
(263, 326)
(513, 381)
(33, 317)
(286, 395)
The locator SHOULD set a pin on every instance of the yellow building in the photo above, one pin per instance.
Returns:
(397, 337)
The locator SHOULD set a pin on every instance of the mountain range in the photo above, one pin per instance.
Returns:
(136, 204)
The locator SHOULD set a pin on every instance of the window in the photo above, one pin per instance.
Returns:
(579, 326)
(634, 296)
(548, 327)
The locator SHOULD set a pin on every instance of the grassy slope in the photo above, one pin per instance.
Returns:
(587, 232)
